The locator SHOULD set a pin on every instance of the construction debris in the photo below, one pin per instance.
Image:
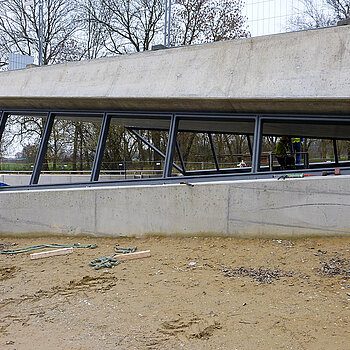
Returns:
(132, 256)
(125, 250)
(116, 259)
(104, 262)
(49, 253)
(42, 246)
(186, 183)
(333, 172)
(294, 176)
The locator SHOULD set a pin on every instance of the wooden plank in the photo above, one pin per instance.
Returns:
(131, 256)
(55, 252)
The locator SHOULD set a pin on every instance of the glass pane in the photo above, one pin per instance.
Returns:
(128, 154)
(19, 147)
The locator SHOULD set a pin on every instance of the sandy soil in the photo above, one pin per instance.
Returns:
(193, 293)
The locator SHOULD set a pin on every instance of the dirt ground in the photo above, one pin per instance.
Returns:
(192, 293)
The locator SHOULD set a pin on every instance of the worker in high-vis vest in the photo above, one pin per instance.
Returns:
(285, 159)
(296, 146)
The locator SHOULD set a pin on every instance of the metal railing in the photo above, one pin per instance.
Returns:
(272, 159)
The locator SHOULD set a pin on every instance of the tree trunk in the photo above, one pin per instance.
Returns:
(156, 143)
(75, 146)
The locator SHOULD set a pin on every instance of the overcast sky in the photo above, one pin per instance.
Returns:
(271, 16)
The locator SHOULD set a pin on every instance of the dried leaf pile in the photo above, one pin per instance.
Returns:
(261, 274)
(335, 266)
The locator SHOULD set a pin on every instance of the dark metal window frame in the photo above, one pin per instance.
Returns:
(172, 146)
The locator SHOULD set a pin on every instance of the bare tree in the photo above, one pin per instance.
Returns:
(128, 25)
(92, 33)
(340, 8)
(318, 14)
(199, 21)
(19, 28)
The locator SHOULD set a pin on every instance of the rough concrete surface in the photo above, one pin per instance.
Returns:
(259, 208)
(294, 72)
(23, 180)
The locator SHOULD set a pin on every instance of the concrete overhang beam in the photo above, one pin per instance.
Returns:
(300, 72)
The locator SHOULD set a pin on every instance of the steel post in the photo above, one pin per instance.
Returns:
(169, 22)
(101, 145)
(249, 145)
(270, 161)
(165, 21)
(257, 144)
(3, 123)
(169, 158)
(41, 23)
(178, 149)
(214, 151)
(335, 149)
(42, 149)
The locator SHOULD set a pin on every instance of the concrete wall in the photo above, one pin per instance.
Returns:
(260, 208)
(293, 72)
(23, 180)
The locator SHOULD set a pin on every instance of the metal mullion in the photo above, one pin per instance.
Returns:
(178, 149)
(214, 151)
(154, 148)
(3, 120)
(37, 113)
(91, 112)
(312, 116)
(249, 145)
(335, 149)
(101, 145)
(42, 149)
(257, 144)
(183, 130)
(141, 115)
(193, 115)
(300, 118)
(145, 128)
(169, 158)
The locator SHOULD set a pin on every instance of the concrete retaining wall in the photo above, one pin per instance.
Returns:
(259, 208)
(23, 180)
